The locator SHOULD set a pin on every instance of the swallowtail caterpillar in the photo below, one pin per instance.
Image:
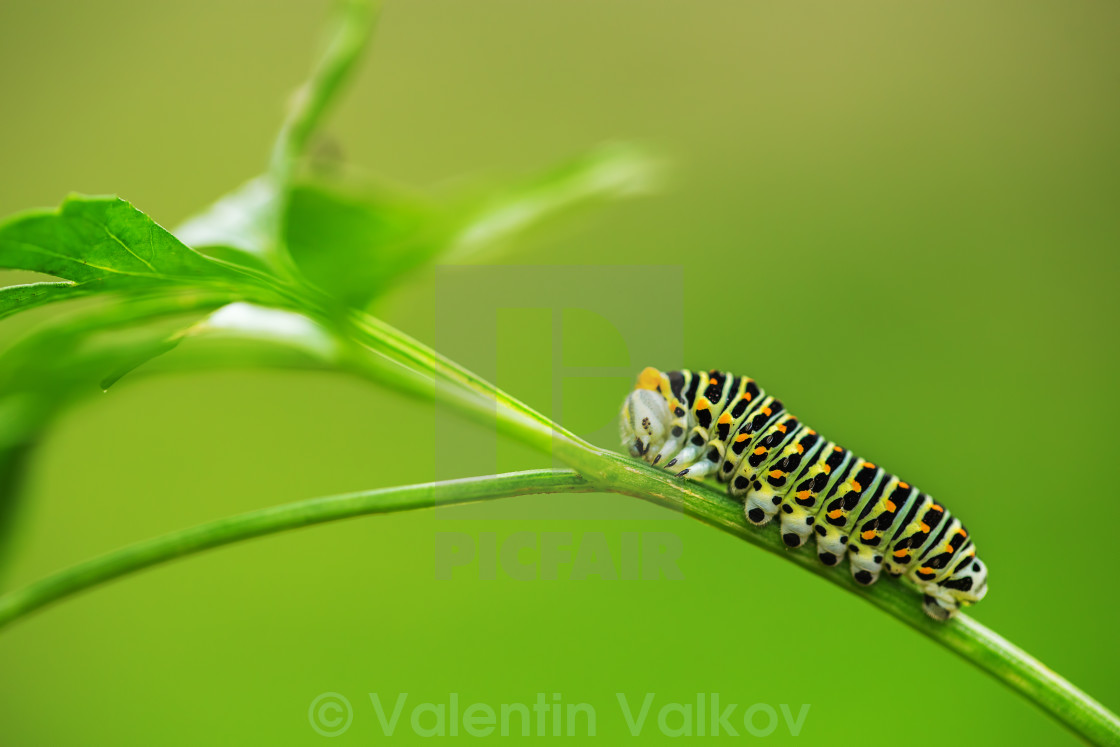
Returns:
(699, 424)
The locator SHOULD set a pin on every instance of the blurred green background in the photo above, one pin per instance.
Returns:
(899, 218)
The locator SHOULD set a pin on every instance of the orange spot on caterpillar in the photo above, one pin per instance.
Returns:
(962, 532)
(827, 469)
(782, 428)
(856, 486)
(924, 527)
(837, 448)
(812, 433)
(702, 403)
(649, 378)
(776, 473)
(742, 437)
(904, 485)
(767, 411)
(890, 506)
(760, 451)
(804, 495)
(746, 396)
(926, 570)
(935, 507)
(725, 418)
(900, 553)
(870, 534)
(835, 514)
(800, 449)
(868, 465)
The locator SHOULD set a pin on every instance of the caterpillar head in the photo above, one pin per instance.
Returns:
(646, 420)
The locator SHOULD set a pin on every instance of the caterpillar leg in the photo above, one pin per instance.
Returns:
(866, 563)
(692, 451)
(762, 503)
(940, 604)
(831, 543)
(707, 464)
(797, 524)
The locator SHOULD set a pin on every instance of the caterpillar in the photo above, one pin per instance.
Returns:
(699, 424)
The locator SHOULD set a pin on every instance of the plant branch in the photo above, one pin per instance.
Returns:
(962, 635)
(21, 602)
(310, 103)
(610, 472)
(470, 394)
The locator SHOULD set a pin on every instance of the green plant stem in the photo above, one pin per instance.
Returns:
(471, 394)
(610, 472)
(963, 635)
(77, 578)
(309, 106)
(352, 31)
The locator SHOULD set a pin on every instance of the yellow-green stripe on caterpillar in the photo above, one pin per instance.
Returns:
(699, 424)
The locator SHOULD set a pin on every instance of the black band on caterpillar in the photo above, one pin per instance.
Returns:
(715, 424)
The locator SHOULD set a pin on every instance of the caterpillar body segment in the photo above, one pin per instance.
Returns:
(714, 424)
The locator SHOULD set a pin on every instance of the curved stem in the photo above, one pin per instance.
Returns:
(77, 578)
(596, 470)
(610, 472)
(962, 635)
(469, 393)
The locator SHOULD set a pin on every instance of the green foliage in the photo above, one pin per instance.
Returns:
(355, 247)
(17, 298)
(238, 227)
(104, 238)
(276, 273)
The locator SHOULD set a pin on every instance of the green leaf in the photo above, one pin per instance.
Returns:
(16, 298)
(238, 228)
(611, 172)
(355, 246)
(45, 371)
(356, 242)
(244, 334)
(104, 238)
(70, 357)
(82, 353)
(78, 354)
(73, 353)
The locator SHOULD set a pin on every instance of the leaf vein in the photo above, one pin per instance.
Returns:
(117, 239)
